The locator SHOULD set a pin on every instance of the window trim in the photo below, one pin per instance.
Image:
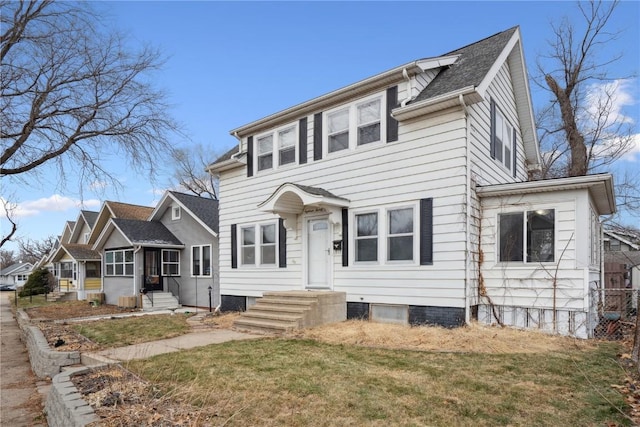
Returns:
(257, 245)
(353, 125)
(524, 214)
(511, 130)
(163, 262)
(383, 236)
(113, 263)
(176, 212)
(200, 249)
(275, 147)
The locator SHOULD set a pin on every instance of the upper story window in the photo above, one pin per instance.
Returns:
(503, 139)
(279, 145)
(355, 125)
(175, 212)
(527, 235)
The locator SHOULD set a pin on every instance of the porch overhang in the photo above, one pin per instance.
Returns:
(290, 200)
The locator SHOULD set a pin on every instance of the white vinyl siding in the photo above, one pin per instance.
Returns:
(427, 161)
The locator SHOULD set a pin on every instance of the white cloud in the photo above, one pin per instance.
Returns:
(612, 97)
(54, 203)
(634, 154)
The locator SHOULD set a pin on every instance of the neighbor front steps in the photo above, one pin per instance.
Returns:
(161, 301)
(56, 296)
(278, 312)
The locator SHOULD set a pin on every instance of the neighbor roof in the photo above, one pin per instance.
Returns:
(204, 208)
(126, 210)
(146, 233)
(90, 217)
(14, 268)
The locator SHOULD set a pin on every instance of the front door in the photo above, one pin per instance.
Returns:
(318, 254)
(152, 277)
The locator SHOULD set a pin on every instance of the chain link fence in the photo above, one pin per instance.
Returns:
(615, 312)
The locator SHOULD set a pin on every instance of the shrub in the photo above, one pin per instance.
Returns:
(40, 281)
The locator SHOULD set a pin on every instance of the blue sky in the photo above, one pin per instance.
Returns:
(230, 63)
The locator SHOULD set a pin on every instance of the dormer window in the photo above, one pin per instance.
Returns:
(175, 212)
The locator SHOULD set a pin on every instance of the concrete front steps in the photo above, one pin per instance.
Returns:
(61, 296)
(278, 312)
(161, 301)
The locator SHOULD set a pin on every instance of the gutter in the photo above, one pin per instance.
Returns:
(441, 102)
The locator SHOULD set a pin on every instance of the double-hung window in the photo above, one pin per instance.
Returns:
(527, 236)
(400, 237)
(287, 146)
(276, 148)
(258, 245)
(268, 244)
(201, 260)
(368, 121)
(119, 262)
(265, 152)
(170, 262)
(366, 237)
(358, 124)
(503, 139)
(338, 130)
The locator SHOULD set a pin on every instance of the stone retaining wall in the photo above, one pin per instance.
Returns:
(64, 405)
(45, 362)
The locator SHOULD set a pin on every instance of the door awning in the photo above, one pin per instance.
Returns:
(290, 200)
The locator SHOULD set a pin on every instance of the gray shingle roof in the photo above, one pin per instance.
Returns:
(81, 252)
(203, 208)
(226, 156)
(470, 69)
(317, 191)
(90, 217)
(141, 232)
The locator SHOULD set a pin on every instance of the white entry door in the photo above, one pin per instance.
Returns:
(318, 253)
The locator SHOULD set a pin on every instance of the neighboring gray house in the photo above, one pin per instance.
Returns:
(408, 191)
(171, 254)
(15, 274)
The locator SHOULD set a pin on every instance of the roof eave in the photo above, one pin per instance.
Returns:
(606, 202)
(378, 81)
(441, 102)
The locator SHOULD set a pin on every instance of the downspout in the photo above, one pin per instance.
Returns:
(405, 74)
(468, 259)
(135, 274)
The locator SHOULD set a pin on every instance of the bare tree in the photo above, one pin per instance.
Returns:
(73, 93)
(582, 129)
(7, 258)
(8, 208)
(190, 171)
(33, 250)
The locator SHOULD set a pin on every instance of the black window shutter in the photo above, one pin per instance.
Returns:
(493, 129)
(515, 154)
(302, 141)
(345, 237)
(282, 244)
(317, 136)
(426, 231)
(392, 124)
(250, 156)
(234, 246)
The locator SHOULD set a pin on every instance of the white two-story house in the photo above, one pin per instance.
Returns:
(409, 192)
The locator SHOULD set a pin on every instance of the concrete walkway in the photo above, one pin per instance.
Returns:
(19, 397)
(170, 345)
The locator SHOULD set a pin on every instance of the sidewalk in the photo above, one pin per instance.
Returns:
(19, 397)
(170, 345)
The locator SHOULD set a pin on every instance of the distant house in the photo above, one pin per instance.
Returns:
(15, 274)
(622, 255)
(408, 191)
(76, 265)
(171, 255)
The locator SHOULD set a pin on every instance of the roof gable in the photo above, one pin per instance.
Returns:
(16, 268)
(202, 209)
(112, 209)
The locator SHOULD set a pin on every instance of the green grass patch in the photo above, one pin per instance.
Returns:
(304, 382)
(134, 330)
